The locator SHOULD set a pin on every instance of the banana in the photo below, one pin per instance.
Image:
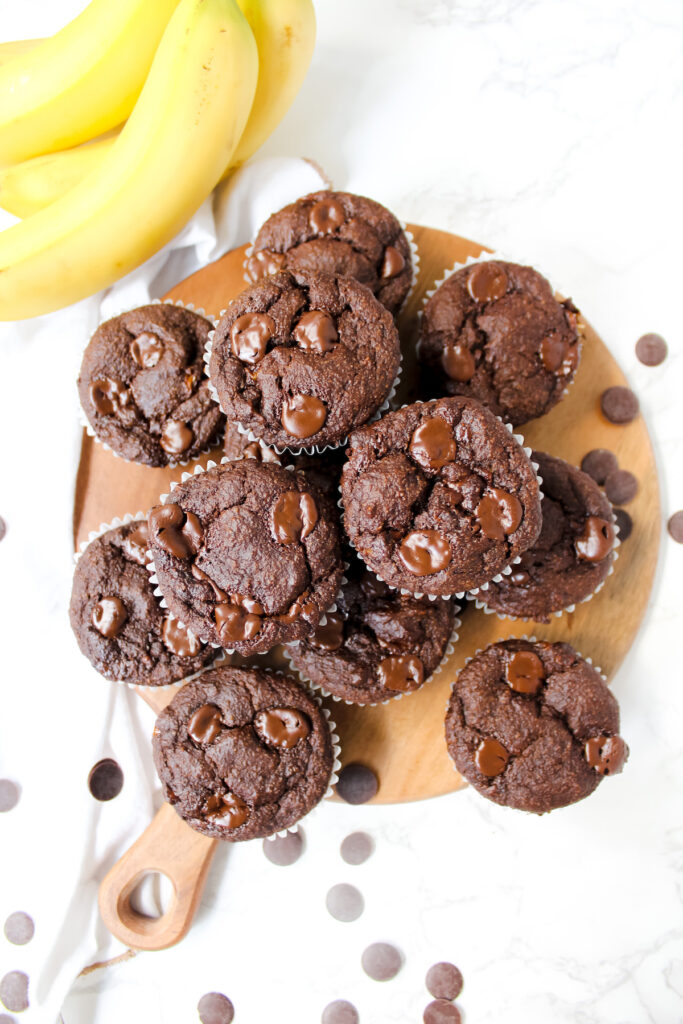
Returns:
(16, 48)
(285, 35)
(168, 157)
(82, 81)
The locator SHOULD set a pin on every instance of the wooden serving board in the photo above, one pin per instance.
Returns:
(403, 741)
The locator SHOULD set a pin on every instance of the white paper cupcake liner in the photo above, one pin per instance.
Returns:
(85, 422)
(103, 528)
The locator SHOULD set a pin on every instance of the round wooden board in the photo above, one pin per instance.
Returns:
(403, 741)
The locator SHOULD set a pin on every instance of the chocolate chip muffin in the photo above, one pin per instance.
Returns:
(243, 753)
(573, 554)
(439, 497)
(495, 331)
(301, 359)
(143, 388)
(378, 644)
(324, 468)
(533, 726)
(337, 233)
(117, 621)
(247, 554)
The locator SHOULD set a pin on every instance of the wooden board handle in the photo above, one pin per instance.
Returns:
(170, 846)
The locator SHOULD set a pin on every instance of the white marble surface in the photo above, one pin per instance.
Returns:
(551, 131)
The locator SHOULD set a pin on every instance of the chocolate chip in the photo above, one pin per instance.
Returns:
(315, 332)
(498, 514)
(14, 991)
(595, 540)
(357, 783)
(249, 337)
(393, 263)
(326, 216)
(109, 616)
(228, 808)
(432, 445)
(524, 673)
(205, 725)
(487, 282)
(425, 552)
(282, 727)
(381, 961)
(400, 673)
(624, 523)
(651, 349)
(264, 263)
(176, 532)
(9, 795)
(491, 757)
(674, 526)
(458, 362)
(607, 754)
(179, 640)
(19, 928)
(146, 350)
(619, 405)
(621, 487)
(215, 1008)
(108, 396)
(294, 517)
(136, 544)
(105, 780)
(3, 528)
(599, 463)
(284, 850)
(303, 415)
(441, 1012)
(344, 902)
(340, 1012)
(444, 981)
(329, 636)
(176, 437)
(357, 847)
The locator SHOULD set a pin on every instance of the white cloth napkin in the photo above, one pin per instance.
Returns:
(58, 716)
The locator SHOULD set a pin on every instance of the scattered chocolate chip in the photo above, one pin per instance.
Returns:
(9, 795)
(624, 523)
(3, 528)
(441, 1012)
(444, 981)
(340, 1012)
(651, 349)
(357, 847)
(357, 783)
(19, 928)
(14, 991)
(599, 463)
(215, 1008)
(619, 405)
(621, 487)
(105, 780)
(380, 961)
(674, 526)
(284, 850)
(344, 902)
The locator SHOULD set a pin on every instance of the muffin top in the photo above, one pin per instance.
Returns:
(247, 554)
(495, 331)
(143, 387)
(533, 725)
(118, 623)
(439, 497)
(301, 359)
(242, 753)
(378, 643)
(337, 233)
(573, 553)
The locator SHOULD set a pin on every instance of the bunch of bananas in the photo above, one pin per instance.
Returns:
(115, 130)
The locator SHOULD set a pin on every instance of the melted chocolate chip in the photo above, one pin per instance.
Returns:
(425, 552)
(215, 1008)
(136, 544)
(596, 540)
(607, 754)
(229, 808)
(105, 780)
(301, 607)
(651, 349)
(264, 263)
(205, 724)
(180, 640)
(316, 332)
(146, 350)
(675, 527)
(440, 1011)
(619, 405)
(357, 783)
(519, 578)
(203, 577)
(381, 962)
(19, 928)
(524, 672)
(284, 850)
(444, 981)
(109, 616)
(344, 902)
(599, 463)
(621, 487)
(498, 514)
(108, 396)
(432, 444)
(553, 352)
(177, 533)
(624, 523)
(491, 757)
(326, 216)
(249, 337)
(303, 415)
(294, 517)
(282, 727)
(402, 674)
(393, 262)
(176, 437)
(235, 623)
(458, 362)
(487, 282)
(329, 637)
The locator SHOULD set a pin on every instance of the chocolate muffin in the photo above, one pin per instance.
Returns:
(324, 468)
(378, 644)
(243, 753)
(573, 555)
(337, 233)
(301, 359)
(439, 497)
(495, 331)
(117, 621)
(143, 388)
(247, 554)
(533, 726)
